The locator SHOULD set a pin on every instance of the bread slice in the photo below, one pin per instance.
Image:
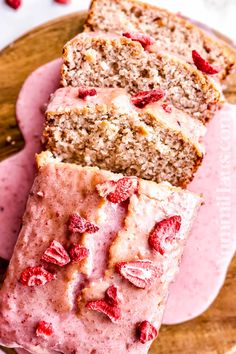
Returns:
(172, 32)
(52, 302)
(106, 60)
(156, 142)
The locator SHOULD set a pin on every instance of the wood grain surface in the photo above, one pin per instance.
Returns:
(212, 333)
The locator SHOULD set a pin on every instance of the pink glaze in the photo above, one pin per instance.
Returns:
(212, 243)
(203, 271)
(59, 190)
(66, 98)
(17, 172)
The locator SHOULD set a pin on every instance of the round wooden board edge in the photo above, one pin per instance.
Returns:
(19, 59)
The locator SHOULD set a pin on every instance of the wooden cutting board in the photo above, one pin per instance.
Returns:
(212, 333)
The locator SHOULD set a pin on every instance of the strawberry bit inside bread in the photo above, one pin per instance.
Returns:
(203, 65)
(167, 107)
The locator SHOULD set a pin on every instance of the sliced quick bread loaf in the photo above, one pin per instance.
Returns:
(106, 60)
(112, 130)
(172, 32)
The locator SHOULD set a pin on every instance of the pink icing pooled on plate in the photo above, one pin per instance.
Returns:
(17, 172)
(207, 254)
(212, 242)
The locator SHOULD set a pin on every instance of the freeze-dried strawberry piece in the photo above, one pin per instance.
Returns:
(112, 296)
(118, 191)
(79, 224)
(143, 39)
(202, 64)
(64, 2)
(56, 254)
(164, 232)
(44, 329)
(83, 92)
(113, 312)
(167, 107)
(140, 273)
(144, 98)
(78, 253)
(35, 276)
(146, 332)
(15, 4)
(125, 187)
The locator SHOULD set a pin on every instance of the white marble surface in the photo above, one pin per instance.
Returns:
(220, 14)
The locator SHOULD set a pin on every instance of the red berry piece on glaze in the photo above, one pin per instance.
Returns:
(164, 232)
(143, 98)
(118, 191)
(79, 224)
(125, 188)
(146, 332)
(14, 4)
(78, 253)
(140, 273)
(56, 254)
(44, 329)
(113, 312)
(84, 92)
(63, 2)
(112, 296)
(143, 39)
(167, 107)
(202, 64)
(35, 276)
